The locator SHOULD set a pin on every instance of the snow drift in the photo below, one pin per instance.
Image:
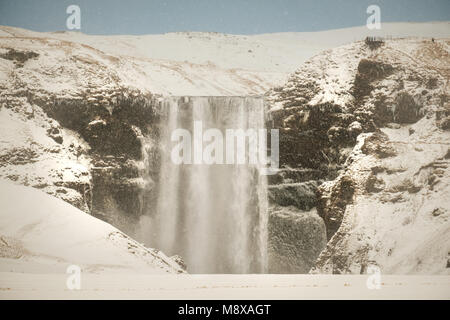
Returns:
(42, 234)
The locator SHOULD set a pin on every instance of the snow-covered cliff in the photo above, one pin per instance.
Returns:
(373, 120)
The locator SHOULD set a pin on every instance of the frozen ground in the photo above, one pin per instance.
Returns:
(125, 286)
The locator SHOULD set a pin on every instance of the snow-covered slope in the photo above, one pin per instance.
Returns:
(74, 62)
(36, 151)
(399, 217)
(337, 37)
(199, 63)
(42, 234)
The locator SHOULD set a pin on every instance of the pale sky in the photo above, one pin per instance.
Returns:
(227, 16)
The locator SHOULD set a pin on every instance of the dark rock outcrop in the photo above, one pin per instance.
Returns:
(301, 195)
(377, 145)
(332, 201)
(369, 71)
(296, 239)
(19, 57)
(406, 109)
(111, 122)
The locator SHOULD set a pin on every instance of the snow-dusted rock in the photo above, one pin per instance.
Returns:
(403, 225)
(296, 239)
(375, 117)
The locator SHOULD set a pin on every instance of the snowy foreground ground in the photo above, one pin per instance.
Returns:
(53, 286)
(38, 248)
(41, 236)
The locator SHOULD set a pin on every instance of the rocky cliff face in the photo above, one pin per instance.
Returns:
(121, 129)
(98, 141)
(74, 127)
(371, 121)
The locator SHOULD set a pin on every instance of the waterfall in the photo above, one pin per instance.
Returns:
(213, 215)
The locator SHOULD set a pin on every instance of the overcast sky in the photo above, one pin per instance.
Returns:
(228, 16)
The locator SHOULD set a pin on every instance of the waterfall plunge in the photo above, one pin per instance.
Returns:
(214, 216)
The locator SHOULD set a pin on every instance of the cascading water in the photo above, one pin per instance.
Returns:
(213, 215)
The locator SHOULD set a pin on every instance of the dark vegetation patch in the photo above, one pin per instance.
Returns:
(406, 109)
(19, 57)
(311, 136)
(368, 72)
(110, 128)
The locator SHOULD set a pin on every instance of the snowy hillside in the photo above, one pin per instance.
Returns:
(399, 216)
(373, 120)
(42, 234)
(72, 62)
(38, 152)
(41, 149)
(192, 63)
